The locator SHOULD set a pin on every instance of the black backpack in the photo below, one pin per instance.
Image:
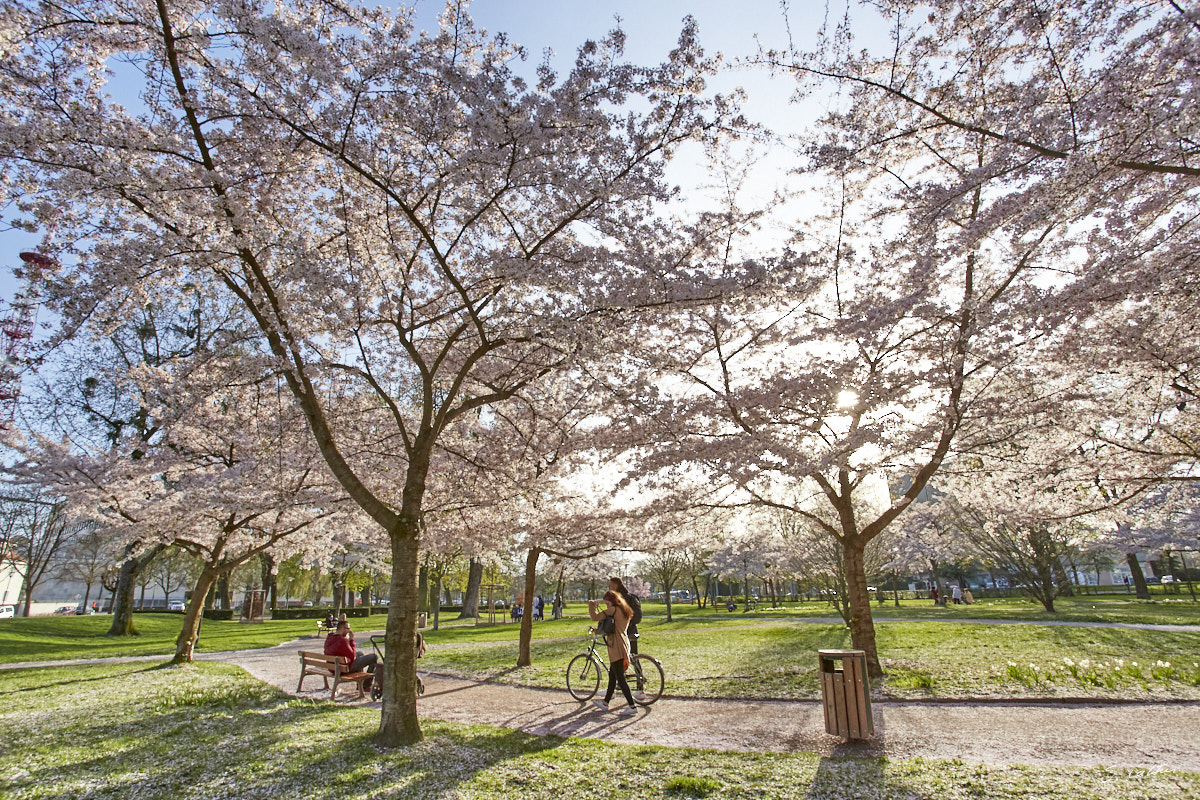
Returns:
(636, 605)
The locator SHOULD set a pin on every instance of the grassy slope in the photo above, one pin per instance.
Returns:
(150, 733)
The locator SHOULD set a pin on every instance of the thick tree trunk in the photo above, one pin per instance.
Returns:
(131, 568)
(1139, 578)
(223, 592)
(398, 723)
(862, 626)
(524, 656)
(185, 645)
(470, 607)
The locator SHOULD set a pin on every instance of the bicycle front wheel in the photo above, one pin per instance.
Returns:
(583, 677)
(646, 679)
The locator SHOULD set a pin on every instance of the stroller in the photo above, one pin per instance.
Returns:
(377, 644)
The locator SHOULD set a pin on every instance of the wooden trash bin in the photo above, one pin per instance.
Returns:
(846, 693)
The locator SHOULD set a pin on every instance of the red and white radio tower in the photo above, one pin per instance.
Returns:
(16, 331)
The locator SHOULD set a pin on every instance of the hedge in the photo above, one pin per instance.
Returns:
(321, 613)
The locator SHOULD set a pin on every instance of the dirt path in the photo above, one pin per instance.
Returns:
(1149, 735)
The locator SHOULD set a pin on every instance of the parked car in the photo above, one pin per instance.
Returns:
(175, 605)
(308, 603)
(1169, 579)
(8, 612)
(65, 611)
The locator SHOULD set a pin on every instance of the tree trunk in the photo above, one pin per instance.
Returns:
(398, 723)
(423, 589)
(185, 644)
(131, 568)
(268, 579)
(223, 592)
(1139, 578)
(435, 599)
(1061, 578)
(524, 656)
(862, 626)
(470, 607)
(559, 592)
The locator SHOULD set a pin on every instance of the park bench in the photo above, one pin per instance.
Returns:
(328, 667)
(323, 629)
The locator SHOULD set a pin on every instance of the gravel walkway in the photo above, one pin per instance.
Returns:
(1148, 735)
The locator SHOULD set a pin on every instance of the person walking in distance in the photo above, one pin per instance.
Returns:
(618, 648)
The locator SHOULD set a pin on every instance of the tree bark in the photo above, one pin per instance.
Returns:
(423, 589)
(1139, 578)
(862, 627)
(185, 644)
(470, 607)
(435, 599)
(524, 656)
(398, 723)
(131, 568)
(268, 579)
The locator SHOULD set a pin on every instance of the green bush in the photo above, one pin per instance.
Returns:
(319, 613)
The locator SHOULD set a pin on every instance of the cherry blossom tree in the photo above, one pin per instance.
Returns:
(396, 211)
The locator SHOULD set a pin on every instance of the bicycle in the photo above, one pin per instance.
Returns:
(583, 674)
(377, 643)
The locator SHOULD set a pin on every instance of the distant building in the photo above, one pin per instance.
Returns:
(12, 576)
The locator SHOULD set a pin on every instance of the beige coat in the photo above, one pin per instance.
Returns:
(618, 643)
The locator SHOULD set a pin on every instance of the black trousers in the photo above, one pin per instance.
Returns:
(616, 677)
(367, 661)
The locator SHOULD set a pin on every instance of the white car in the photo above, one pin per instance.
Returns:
(175, 605)
(8, 612)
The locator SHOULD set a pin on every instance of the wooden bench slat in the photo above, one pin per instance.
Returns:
(326, 667)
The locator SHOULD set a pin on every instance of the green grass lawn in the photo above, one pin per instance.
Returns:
(61, 638)
(152, 733)
(1175, 610)
(776, 657)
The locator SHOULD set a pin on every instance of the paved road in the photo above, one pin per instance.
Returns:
(1150, 735)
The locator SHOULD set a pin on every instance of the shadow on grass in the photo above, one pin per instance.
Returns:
(214, 733)
(54, 684)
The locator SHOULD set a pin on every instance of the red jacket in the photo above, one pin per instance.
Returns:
(340, 646)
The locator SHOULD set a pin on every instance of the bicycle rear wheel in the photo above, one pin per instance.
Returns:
(647, 679)
(583, 677)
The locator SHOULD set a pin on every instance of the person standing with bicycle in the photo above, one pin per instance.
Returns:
(617, 643)
(635, 606)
